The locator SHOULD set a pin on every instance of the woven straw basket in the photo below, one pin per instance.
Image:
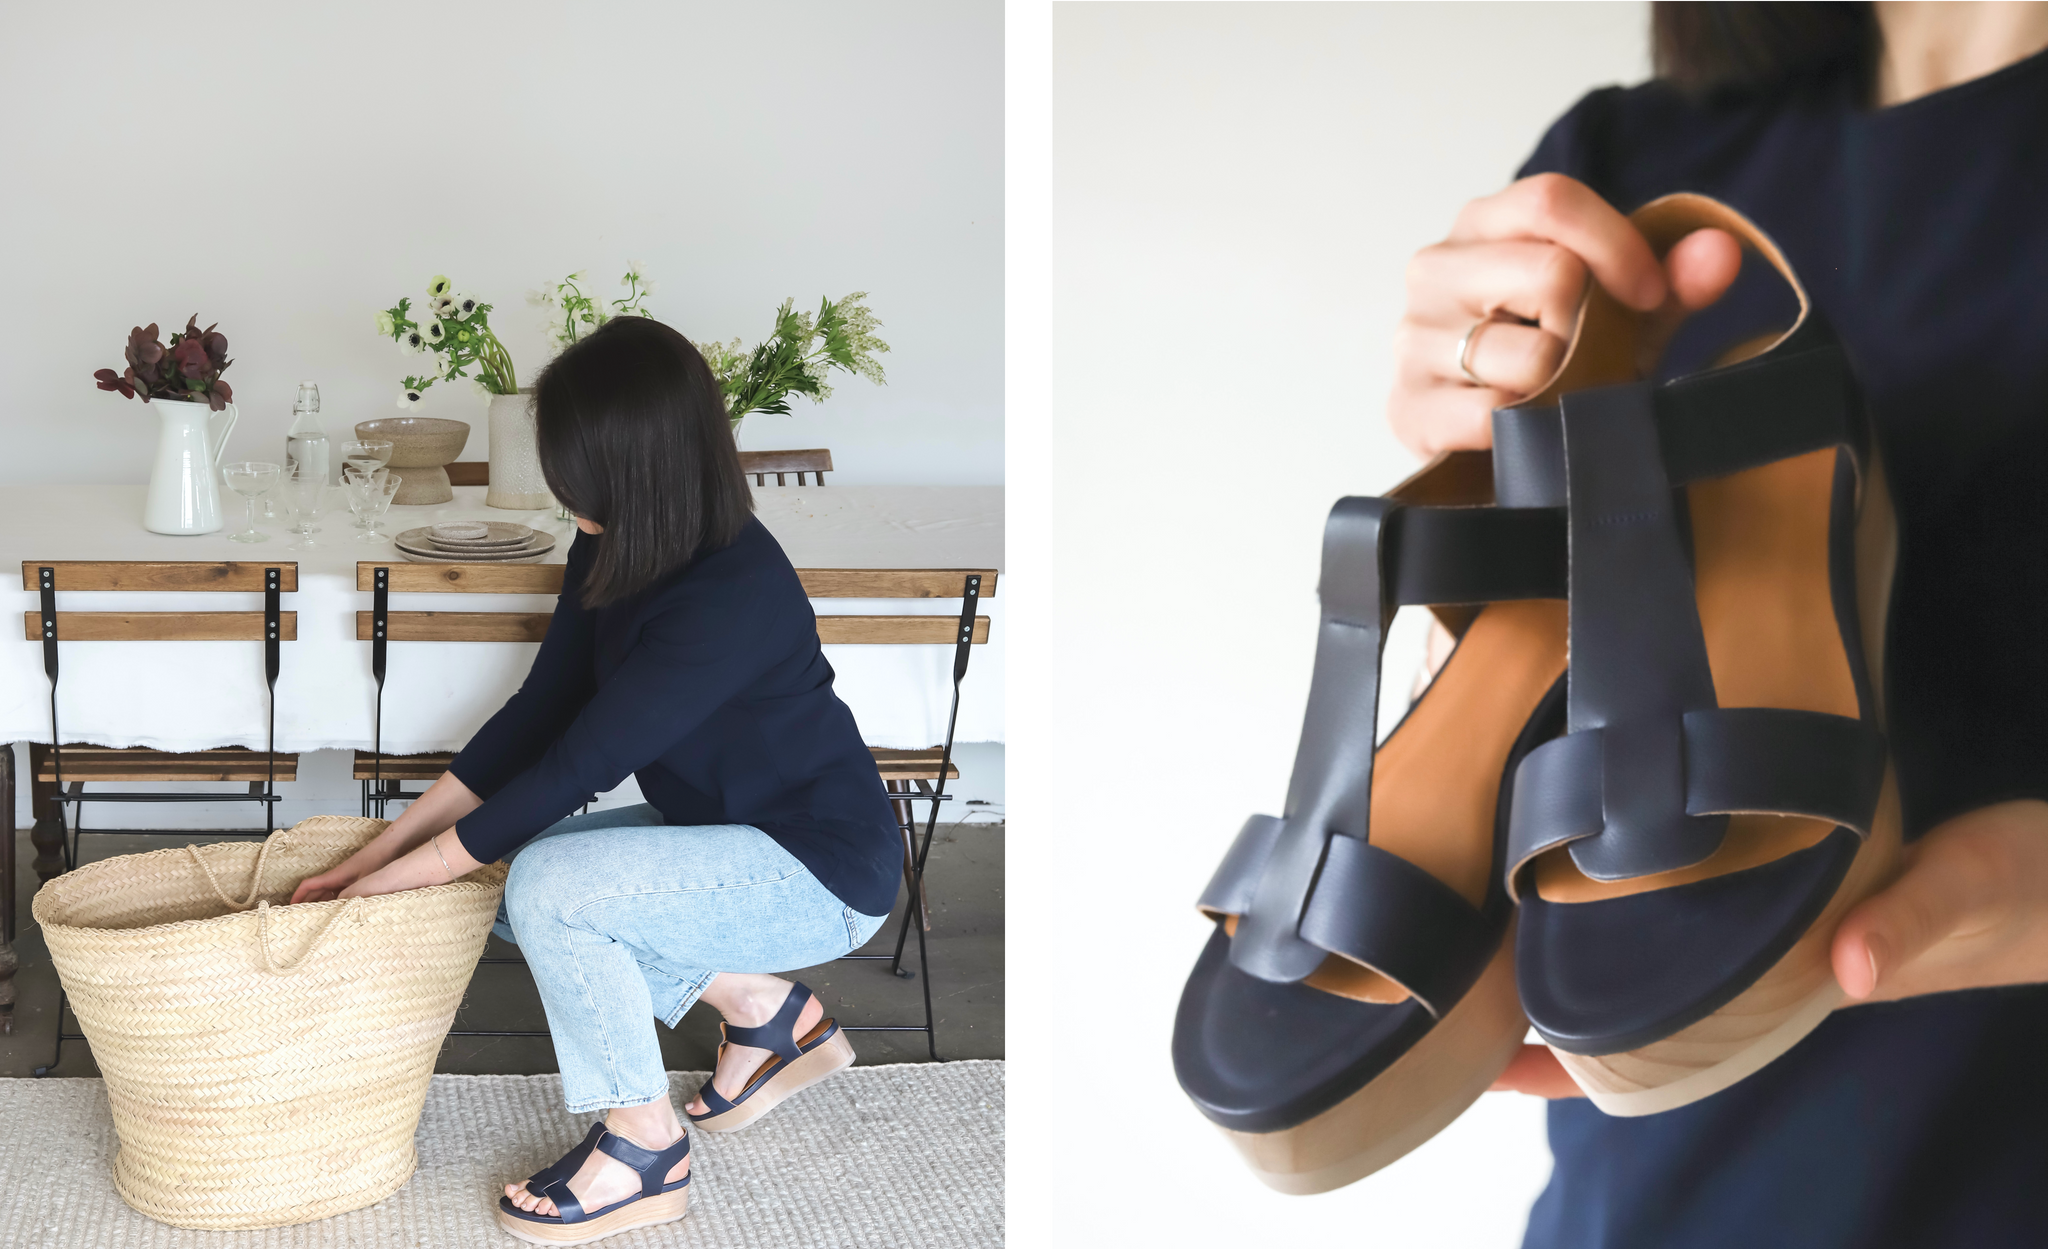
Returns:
(267, 1066)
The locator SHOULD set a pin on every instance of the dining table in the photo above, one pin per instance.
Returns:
(190, 695)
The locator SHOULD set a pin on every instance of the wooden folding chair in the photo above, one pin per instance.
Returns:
(58, 773)
(910, 776)
(816, 461)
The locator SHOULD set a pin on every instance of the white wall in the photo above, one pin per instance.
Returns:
(289, 169)
(1236, 190)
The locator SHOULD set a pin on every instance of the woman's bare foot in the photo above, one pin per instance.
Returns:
(748, 1001)
(603, 1179)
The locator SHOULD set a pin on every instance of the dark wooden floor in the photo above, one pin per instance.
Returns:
(964, 880)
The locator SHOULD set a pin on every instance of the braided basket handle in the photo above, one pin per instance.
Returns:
(255, 883)
(263, 937)
(263, 908)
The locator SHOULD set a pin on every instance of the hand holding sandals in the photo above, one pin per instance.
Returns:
(1518, 261)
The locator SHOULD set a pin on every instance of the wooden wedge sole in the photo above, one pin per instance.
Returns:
(794, 1077)
(1412, 1100)
(1768, 1018)
(646, 1212)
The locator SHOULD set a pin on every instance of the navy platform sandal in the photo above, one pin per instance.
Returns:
(1357, 993)
(795, 1064)
(1683, 855)
(657, 1202)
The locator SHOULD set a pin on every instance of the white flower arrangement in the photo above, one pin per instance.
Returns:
(455, 329)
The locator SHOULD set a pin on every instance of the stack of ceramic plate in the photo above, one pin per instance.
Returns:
(474, 542)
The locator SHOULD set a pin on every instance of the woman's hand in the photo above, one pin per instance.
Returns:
(441, 860)
(1524, 255)
(1969, 911)
(433, 812)
(328, 885)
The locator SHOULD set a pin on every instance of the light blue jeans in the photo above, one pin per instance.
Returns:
(625, 920)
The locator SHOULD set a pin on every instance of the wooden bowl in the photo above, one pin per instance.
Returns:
(421, 446)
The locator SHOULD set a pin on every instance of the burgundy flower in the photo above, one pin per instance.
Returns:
(216, 348)
(220, 396)
(144, 351)
(190, 357)
(110, 380)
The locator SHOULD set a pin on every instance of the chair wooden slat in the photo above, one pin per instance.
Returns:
(469, 473)
(912, 765)
(181, 575)
(459, 626)
(815, 460)
(506, 626)
(141, 763)
(422, 767)
(160, 626)
(894, 630)
(410, 578)
(893, 582)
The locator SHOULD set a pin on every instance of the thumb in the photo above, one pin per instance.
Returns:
(1702, 266)
(1935, 896)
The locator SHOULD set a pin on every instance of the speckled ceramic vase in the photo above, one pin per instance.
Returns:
(516, 480)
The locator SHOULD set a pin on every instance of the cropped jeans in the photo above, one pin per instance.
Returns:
(625, 920)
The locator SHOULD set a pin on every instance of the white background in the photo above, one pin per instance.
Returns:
(289, 169)
(1236, 188)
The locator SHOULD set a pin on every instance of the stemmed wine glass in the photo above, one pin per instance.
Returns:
(252, 480)
(301, 492)
(365, 456)
(369, 494)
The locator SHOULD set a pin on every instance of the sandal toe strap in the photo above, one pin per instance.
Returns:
(567, 1207)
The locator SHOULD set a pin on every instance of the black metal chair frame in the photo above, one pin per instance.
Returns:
(76, 796)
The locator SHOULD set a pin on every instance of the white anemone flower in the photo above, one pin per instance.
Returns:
(439, 286)
(412, 342)
(464, 305)
(442, 305)
(385, 326)
(432, 332)
(410, 399)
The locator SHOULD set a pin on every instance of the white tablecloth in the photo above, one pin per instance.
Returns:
(192, 695)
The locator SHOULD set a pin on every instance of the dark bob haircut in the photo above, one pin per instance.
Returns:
(633, 435)
(1743, 49)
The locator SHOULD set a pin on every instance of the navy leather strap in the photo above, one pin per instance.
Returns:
(652, 1164)
(1380, 910)
(778, 1035)
(1299, 883)
(1652, 767)
(1708, 425)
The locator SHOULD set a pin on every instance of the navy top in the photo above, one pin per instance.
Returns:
(710, 688)
(1921, 232)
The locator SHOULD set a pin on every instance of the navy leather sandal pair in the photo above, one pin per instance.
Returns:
(658, 1200)
(796, 1064)
(1681, 819)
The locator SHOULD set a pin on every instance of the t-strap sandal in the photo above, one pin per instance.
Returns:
(1357, 993)
(795, 1064)
(1683, 855)
(657, 1202)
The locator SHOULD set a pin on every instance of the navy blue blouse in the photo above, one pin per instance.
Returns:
(1921, 231)
(709, 688)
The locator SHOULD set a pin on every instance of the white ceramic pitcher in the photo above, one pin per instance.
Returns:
(184, 486)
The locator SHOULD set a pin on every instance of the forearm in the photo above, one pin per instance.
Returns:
(446, 801)
(439, 860)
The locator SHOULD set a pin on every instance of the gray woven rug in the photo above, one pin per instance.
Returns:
(897, 1157)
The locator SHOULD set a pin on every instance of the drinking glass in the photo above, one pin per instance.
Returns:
(252, 480)
(367, 456)
(300, 492)
(369, 494)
